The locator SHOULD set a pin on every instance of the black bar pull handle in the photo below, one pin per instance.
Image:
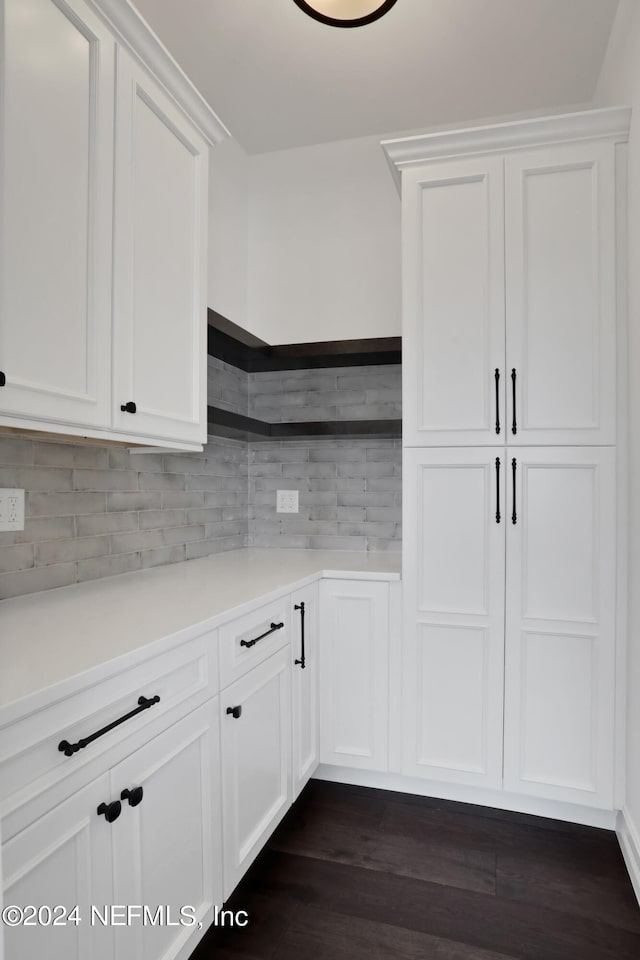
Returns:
(133, 796)
(235, 712)
(70, 748)
(272, 629)
(497, 489)
(514, 515)
(497, 376)
(514, 425)
(303, 659)
(111, 811)
(3, 379)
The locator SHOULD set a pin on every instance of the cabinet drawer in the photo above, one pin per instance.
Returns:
(250, 639)
(30, 759)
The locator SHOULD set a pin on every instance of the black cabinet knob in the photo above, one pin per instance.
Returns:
(111, 811)
(236, 712)
(3, 379)
(128, 407)
(133, 796)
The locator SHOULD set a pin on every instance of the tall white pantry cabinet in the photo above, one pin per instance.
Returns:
(511, 268)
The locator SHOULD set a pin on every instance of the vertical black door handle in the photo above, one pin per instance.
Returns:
(3, 379)
(514, 425)
(497, 489)
(497, 376)
(514, 515)
(303, 660)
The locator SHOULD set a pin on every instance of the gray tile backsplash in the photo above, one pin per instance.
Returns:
(94, 511)
(339, 509)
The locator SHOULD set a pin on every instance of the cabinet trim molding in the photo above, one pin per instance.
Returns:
(141, 39)
(609, 122)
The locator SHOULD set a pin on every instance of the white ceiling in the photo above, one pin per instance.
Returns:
(279, 79)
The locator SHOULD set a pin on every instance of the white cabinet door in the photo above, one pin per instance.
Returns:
(561, 297)
(453, 292)
(167, 845)
(354, 674)
(454, 522)
(62, 859)
(160, 297)
(304, 688)
(55, 250)
(255, 715)
(560, 646)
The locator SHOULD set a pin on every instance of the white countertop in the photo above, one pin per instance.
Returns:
(47, 637)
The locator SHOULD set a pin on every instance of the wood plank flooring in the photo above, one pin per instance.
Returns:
(360, 874)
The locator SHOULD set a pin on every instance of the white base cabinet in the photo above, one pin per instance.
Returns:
(560, 624)
(161, 849)
(304, 685)
(453, 644)
(255, 718)
(354, 673)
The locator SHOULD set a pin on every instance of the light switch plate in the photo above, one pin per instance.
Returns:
(287, 501)
(11, 509)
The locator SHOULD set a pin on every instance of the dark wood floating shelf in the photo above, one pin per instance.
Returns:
(233, 345)
(235, 426)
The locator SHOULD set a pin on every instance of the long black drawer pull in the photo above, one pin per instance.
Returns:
(272, 629)
(497, 376)
(514, 515)
(514, 425)
(497, 489)
(303, 659)
(70, 748)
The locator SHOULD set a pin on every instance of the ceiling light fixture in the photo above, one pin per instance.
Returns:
(345, 13)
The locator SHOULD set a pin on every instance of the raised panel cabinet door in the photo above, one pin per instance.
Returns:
(304, 687)
(453, 303)
(560, 629)
(255, 719)
(453, 564)
(354, 674)
(160, 251)
(62, 860)
(561, 294)
(167, 845)
(57, 68)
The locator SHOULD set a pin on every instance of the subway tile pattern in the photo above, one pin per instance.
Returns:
(93, 510)
(349, 494)
(336, 393)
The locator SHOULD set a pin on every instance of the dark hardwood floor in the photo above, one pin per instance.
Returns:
(359, 874)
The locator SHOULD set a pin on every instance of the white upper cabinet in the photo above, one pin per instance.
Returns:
(561, 294)
(160, 295)
(453, 281)
(509, 260)
(103, 245)
(57, 68)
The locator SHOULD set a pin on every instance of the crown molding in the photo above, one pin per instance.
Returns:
(131, 29)
(609, 122)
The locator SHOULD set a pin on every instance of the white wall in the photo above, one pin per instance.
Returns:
(620, 84)
(324, 244)
(228, 231)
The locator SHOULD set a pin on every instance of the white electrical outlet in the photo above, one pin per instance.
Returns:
(11, 509)
(287, 501)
